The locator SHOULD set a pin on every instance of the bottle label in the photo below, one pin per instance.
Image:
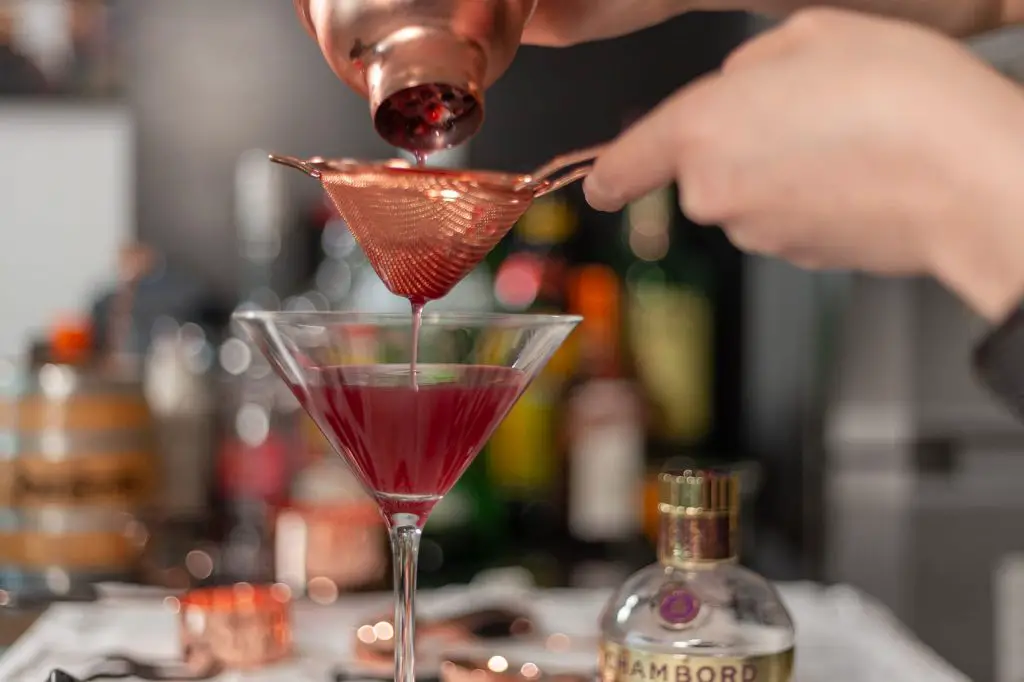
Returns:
(672, 331)
(621, 664)
(606, 469)
(678, 607)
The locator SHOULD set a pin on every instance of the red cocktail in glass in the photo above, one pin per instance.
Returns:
(408, 435)
(409, 444)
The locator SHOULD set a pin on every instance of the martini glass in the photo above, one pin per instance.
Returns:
(407, 435)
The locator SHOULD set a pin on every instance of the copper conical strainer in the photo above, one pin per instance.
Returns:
(424, 229)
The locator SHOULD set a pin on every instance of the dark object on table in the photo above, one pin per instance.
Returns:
(37, 600)
(61, 676)
(342, 675)
(116, 667)
(488, 623)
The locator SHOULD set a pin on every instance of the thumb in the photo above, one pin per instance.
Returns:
(646, 156)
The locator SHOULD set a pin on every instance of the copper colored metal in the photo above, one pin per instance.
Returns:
(424, 229)
(410, 57)
(238, 627)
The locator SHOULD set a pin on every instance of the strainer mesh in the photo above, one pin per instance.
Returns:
(423, 231)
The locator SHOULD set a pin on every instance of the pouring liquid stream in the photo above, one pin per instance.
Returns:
(416, 303)
(417, 321)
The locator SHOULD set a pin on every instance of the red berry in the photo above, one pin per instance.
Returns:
(435, 113)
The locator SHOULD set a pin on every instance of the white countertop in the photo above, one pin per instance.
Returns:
(841, 635)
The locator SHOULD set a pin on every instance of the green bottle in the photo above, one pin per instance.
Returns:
(671, 322)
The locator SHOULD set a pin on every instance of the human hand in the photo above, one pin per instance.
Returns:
(843, 141)
(567, 22)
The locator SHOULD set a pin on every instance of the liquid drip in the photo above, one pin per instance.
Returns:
(417, 322)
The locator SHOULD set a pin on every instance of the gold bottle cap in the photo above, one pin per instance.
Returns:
(699, 510)
(697, 492)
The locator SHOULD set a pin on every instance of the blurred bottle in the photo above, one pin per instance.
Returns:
(259, 434)
(671, 322)
(331, 262)
(138, 333)
(254, 463)
(329, 537)
(262, 215)
(86, 474)
(72, 42)
(672, 289)
(147, 290)
(20, 72)
(123, 345)
(523, 457)
(178, 383)
(604, 436)
(12, 378)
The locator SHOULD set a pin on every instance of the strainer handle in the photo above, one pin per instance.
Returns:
(563, 170)
(296, 163)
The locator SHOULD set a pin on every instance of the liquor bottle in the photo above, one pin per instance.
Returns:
(604, 436)
(683, 360)
(260, 414)
(697, 614)
(671, 322)
(522, 456)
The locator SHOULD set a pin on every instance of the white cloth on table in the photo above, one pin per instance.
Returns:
(842, 636)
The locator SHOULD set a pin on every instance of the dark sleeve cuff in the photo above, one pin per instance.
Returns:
(999, 361)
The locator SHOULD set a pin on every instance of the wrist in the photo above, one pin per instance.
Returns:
(974, 239)
(980, 257)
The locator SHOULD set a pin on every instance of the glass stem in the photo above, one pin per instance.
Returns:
(405, 548)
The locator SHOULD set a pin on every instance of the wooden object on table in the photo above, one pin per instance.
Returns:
(81, 473)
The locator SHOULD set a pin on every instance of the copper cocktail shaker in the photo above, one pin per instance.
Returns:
(422, 64)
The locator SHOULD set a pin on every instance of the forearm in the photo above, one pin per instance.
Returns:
(956, 17)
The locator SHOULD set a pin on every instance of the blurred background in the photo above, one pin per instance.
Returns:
(139, 211)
